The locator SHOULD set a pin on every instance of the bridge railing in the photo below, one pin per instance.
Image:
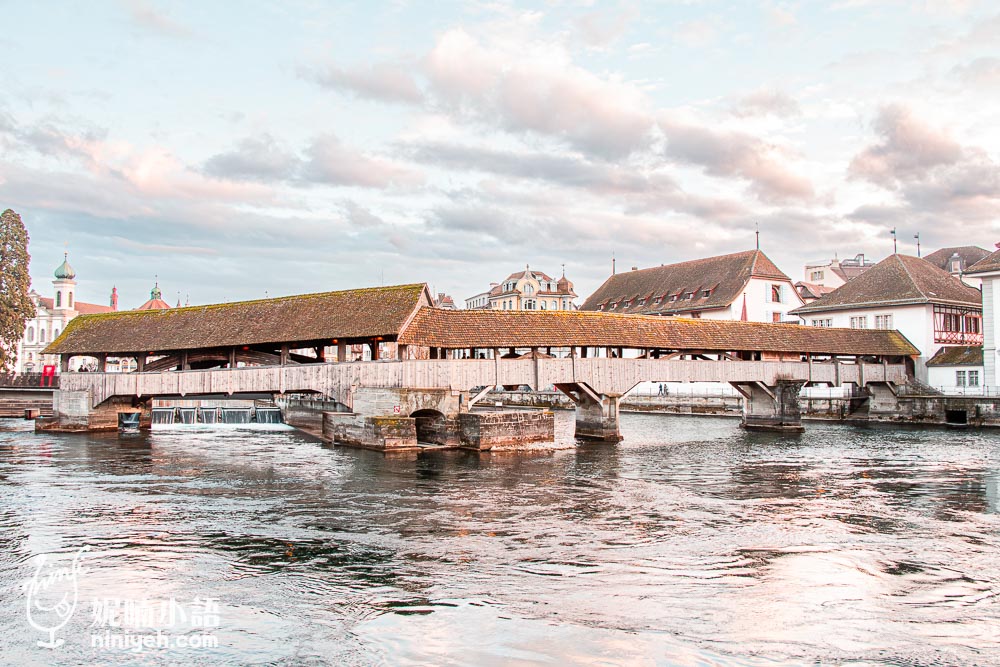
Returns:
(338, 380)
(28, 381)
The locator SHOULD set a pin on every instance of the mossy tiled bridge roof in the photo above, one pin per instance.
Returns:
(403, 314)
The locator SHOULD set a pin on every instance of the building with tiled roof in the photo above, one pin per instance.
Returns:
(52, 314)
(957, 369)
(156, 301)
(526, 290)
(958, 260)
(835, 272)
(443, 300)
(809, 292)
(932, 308)
(987, 271)
(741, 286)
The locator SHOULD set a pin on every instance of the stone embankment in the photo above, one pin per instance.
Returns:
(930, 409)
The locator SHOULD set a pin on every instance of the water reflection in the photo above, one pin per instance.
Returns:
(691, 542)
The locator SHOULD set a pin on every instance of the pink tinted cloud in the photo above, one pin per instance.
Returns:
(731, 154)
(533, 88)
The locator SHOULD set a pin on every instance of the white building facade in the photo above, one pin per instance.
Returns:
(52, 314)
(526, 290)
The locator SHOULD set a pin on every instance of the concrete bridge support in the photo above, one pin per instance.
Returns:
(882, 399)
(771, 407)
(597, 415)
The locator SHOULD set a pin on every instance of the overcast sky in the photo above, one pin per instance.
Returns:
(237, 149)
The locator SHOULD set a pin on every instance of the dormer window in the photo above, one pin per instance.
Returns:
(657, 299)
(706, 293)
(688, 295)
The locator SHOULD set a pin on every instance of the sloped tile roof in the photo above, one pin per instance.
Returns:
(349, 314)
(497, 328)
(811, 291)
(989, 263)
(79, 306)
(970, 254)
(897, 280)
(960, 355)
(724, 276)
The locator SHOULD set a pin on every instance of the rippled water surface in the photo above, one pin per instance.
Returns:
(690, 543)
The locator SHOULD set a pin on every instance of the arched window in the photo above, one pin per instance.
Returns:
(31, 357)
(41, 335)
(55, 334)
(31, 335)
(70, 303)
(58, 299)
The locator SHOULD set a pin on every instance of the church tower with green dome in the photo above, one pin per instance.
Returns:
(65, 285)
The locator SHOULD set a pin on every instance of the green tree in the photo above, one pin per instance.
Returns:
(15, 284)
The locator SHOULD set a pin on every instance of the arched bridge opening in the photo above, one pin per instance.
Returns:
(432, 426)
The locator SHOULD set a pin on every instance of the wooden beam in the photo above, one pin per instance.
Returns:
(475, 399)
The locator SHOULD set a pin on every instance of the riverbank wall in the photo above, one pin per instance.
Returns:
(974, 411)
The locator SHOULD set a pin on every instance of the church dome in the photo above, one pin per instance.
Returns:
(65, 271)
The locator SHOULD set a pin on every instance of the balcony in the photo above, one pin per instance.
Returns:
(958, 337)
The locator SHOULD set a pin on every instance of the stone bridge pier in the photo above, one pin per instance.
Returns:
(771, 407)
(597, 415)
(399, 419)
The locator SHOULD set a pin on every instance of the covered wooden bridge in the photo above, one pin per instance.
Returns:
(359, 346)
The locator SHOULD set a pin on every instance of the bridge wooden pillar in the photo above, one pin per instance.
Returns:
(140, 362)
(771, 407)
(341, 351)
(232, 357)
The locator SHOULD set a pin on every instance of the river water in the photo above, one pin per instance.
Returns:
(690, 543)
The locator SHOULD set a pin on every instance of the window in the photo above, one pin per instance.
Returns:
(529, 304)
(688, 295)
(706, 293)
(657, 299)
(883, 321)
(555, 304)
(41, 335)
(959, 378)
(859, 322)
(529, 289)
(816, 275)
(696, 316)
(31, 334)
(822, 323)
(55, 334)
(70, 303)
(973, 378)
(58, 299)
(775, 293)
(673, 298)
(541, 304)
(776, 318)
